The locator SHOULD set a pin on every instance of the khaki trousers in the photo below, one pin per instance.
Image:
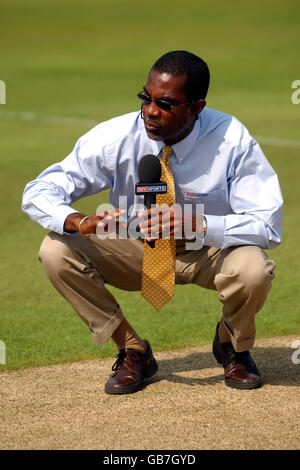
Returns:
(80, 266)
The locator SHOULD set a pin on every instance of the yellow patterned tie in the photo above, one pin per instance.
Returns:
(159, 262)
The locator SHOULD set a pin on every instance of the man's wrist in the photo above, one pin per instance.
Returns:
(82, 222)
(73, 221)
(198, 228)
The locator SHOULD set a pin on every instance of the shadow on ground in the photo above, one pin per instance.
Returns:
(275, 365)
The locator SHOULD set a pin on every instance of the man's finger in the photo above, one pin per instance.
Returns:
(154, 211)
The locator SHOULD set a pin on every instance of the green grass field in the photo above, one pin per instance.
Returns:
(87, 60)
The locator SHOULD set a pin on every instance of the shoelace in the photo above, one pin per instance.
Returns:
(121, 357)
(242, 358)
(237, 356)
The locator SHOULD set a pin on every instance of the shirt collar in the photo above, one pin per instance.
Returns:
(182, 148)
(156, 146)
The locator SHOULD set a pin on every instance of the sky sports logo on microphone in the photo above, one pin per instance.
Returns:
(151, 188)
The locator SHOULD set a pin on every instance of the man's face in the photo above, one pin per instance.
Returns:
(174, 125)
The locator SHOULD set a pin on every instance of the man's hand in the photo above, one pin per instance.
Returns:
(166, 222)
(89, 224)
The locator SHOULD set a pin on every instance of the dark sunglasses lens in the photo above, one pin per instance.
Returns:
(163, 105)
(144, 98)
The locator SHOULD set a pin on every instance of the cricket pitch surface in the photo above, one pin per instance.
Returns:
(186, 405)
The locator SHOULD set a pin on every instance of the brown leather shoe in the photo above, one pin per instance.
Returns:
(240, 370)
(130, 370)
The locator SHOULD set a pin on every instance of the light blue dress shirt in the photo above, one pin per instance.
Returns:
(218, 164)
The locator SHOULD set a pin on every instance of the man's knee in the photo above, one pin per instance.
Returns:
(251, 268)
(256, 271)
(52, 253)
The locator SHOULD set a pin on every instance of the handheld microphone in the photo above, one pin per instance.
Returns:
(149, 172)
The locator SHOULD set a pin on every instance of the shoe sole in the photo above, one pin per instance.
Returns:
(243, 385)
(148, 372)
(234, 383)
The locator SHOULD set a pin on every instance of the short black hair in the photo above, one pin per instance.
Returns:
(190, 65)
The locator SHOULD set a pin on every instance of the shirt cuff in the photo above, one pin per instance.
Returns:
(215, 231)
(58, 220)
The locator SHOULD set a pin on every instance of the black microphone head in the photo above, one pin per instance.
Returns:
(149, 169)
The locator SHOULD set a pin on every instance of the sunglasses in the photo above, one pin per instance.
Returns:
(162, 104)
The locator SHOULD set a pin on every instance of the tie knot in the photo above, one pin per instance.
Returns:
(167, 150)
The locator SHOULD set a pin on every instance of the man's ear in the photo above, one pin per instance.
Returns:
(200, 104)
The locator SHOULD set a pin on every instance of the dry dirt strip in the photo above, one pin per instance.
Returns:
(185, 406)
